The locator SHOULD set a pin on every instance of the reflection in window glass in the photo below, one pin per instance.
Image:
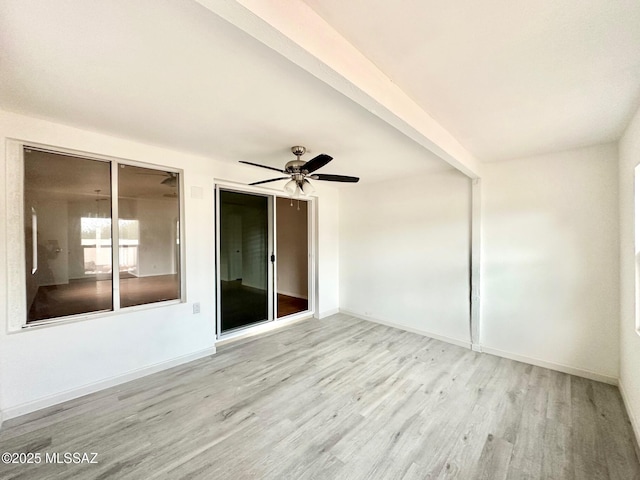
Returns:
(96, 244)
(69, 241)
(149, 210)
(67, 212)
(129, 241)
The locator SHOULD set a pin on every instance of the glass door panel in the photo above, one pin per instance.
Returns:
(243, 259)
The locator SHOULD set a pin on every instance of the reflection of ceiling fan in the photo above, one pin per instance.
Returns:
(170, 181)
(299, 172)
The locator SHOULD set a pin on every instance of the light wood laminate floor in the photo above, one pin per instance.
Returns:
(338, 398)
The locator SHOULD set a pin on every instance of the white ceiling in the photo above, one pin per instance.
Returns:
(506, 78)
(173, 73)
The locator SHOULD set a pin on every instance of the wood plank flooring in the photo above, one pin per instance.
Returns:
(288, 305)
(92, 295)
(338, 398)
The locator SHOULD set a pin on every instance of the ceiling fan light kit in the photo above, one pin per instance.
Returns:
(299, 172)
(307, 188)
(291, 187)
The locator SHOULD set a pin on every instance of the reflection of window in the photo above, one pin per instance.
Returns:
(129, 240)
(96, 244)
(69, 265)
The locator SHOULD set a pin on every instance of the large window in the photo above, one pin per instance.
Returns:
(70, 211)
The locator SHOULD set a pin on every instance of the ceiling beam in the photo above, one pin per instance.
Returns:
(298, 33)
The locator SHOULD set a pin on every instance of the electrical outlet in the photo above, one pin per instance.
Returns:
(196, 307)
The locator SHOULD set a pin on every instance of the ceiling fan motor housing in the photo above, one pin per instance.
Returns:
(293, 167)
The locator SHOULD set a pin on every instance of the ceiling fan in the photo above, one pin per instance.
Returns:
(299, 172)
(171, 179)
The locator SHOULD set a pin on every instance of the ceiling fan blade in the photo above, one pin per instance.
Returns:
(316, 162)
(267, 181)
(169, 182)
(334, 178)
(262, 166)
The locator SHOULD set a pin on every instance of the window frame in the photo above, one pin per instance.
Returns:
(16, 273)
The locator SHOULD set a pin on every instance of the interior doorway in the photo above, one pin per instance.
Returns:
(292, 256)
(264, 258)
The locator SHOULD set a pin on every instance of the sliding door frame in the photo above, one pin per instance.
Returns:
(272, 320)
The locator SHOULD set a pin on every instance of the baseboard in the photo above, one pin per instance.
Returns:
(635, 424)
(328, 313)
(293, 294)
(492, 351)
(67, 395)
(454, 341)
(579, 372)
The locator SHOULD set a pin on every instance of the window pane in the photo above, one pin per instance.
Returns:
(149, 250)
(67, 226)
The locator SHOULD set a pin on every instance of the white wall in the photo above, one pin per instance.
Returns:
(41, 366)
(327, 261)
(53, 226)
(157, 227)
(550, 261)
(629, 151)
(404, 253)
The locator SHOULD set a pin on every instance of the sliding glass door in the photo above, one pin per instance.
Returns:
(244, 259)
(263, 258)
